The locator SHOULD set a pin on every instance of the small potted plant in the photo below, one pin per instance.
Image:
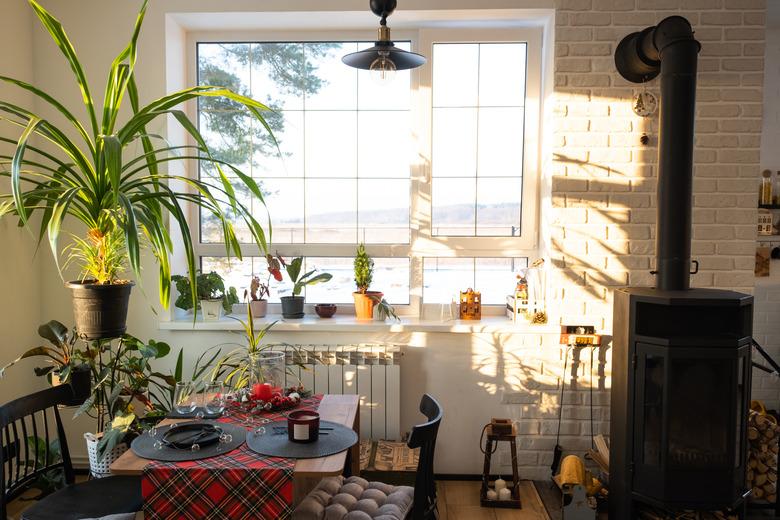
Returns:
(292, 306)
(212, 296)
(365, 300)
(62, 365)
(383, 310)
(258, 305)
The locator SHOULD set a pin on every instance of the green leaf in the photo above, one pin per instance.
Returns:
(54, 27)
(294, 268)
(85, 406)
(179, 365)
(16, 167)
(112, 158)
(131, 236)
(56, 104)
(54, 331)
(58, 214)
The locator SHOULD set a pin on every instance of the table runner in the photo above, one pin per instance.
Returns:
(239, 484)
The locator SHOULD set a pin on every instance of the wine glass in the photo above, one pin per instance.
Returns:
(214, 398)
(185, 398)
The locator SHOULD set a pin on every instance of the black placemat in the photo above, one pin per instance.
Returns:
(274, 443)
(173, 414)
(143, 445)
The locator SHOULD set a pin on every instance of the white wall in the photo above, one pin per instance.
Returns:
(475, 376)
(20, 309)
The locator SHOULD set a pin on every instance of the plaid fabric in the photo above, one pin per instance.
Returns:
(236, 485)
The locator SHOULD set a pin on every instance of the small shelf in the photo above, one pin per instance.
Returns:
(769, 206)
(768, 238)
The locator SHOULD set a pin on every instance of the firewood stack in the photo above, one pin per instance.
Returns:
(763, 432)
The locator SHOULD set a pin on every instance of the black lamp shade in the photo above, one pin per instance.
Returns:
(402, 59)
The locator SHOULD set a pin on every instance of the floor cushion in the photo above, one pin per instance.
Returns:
(355, 498)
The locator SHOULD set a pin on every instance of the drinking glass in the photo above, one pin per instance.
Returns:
(185, 399)
(214, 398)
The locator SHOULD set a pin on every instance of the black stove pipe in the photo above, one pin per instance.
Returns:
(670, 49)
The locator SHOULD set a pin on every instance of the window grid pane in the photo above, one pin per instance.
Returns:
(495, 278)
(477, 138)
(326, 121)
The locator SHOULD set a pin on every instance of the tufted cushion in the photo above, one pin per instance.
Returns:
(355, 498)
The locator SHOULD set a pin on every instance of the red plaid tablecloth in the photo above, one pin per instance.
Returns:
(236, 485)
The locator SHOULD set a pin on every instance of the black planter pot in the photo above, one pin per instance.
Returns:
(292, 307)
(80, 382)
(100, 310)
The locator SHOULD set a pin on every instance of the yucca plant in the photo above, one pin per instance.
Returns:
(112, 177)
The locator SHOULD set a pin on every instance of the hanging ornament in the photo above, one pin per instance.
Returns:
(645, 104)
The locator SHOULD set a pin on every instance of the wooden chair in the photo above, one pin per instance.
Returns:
(36, 416)
(418, 503)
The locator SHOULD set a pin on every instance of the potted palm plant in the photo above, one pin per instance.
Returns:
(365, 300)
(212, 297)
(258, 305)
(112, 178)
(292, 306)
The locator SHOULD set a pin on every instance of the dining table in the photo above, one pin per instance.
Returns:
(242, 483)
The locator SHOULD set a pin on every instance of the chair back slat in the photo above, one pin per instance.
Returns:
(35, 436)
(18, 451)
(20, 465)
(423, 436)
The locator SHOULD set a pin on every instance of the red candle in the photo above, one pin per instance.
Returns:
(262, 391)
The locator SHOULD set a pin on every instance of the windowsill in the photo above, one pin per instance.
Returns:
(489, 324)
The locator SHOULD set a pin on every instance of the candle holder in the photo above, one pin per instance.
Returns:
(303, 426)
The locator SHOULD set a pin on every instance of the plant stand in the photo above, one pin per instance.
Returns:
(493, 438)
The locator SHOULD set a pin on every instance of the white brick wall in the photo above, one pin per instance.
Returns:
(603, 190)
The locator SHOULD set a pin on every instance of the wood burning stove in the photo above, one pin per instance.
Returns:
(680, 394)
(681, 357)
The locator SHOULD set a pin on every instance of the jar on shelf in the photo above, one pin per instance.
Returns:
(765, 198)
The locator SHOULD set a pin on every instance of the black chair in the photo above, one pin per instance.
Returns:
(37, 416)
(424, 437)
(417, 504)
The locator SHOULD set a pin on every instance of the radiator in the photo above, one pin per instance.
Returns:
(369, 370)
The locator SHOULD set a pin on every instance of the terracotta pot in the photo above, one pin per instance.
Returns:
(100, 310)
(259, 308)
(364, 304)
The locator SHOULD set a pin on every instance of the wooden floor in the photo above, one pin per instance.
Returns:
(459, 500)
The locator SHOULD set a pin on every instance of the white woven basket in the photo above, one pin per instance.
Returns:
(100, 468)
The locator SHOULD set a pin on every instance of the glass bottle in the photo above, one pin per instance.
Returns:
(766, 188)
(776, 190)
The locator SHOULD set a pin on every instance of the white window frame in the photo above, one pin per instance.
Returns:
(422, 242)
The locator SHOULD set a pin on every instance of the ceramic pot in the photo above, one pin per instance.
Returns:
(364, 304)
(325, 310)
(100, 310)
(292, 307)
(211, 310)
(259, 308)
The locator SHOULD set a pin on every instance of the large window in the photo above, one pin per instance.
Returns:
(434, 172)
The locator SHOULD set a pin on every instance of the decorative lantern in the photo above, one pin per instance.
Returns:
(470, 305)
(764, 222)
